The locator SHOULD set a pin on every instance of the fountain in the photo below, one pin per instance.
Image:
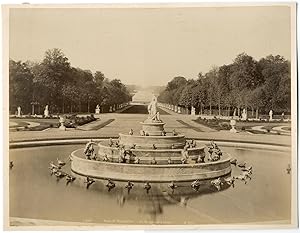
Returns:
(154, 156)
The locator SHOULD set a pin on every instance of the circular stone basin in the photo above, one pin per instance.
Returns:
(151, 173)
(35, 194)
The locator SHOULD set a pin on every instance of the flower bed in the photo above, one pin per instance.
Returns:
(214, 123)
(73, 121)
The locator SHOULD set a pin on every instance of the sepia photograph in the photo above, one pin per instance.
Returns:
(136, 116)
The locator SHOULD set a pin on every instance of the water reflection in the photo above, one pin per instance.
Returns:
(151, 198)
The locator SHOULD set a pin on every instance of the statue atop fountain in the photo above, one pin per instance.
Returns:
(153, 125)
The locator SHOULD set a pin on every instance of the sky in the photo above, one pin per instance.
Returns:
(150, 46)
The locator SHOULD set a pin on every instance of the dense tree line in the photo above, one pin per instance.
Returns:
(65, 89)
(257, 86)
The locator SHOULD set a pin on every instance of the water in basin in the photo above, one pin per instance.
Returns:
(35, 194)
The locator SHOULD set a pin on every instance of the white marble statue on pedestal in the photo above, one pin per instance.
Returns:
(244, 115)
(62, 120)
(19, 111)
(46, 111)
(271, 115)
(193, 111)
(97, 110)
(234, 112)
(233, 124)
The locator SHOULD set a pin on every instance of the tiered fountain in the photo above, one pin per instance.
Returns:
(153, 157)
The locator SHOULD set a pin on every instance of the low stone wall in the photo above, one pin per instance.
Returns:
(153, 173)
(162, 142)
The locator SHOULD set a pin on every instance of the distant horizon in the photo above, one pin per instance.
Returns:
(150, 46)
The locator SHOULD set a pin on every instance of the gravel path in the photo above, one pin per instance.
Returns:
(12, 123)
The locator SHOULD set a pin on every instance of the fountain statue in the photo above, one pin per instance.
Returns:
(152, 110)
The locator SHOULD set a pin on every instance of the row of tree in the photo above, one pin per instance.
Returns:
(246, 83)
(54, 82)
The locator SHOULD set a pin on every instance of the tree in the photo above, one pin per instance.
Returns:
(53, 73)
(224, 95)
(211, 86)
(276, 73)
(244, 83)
(99, 77)
(257, 99)
(64, 88)
(70, 95)
(20, 86)
(173, 91)
(186, 97)
(176, 82)
(245, 73)
(283, 98)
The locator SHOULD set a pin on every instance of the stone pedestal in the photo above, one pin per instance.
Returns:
(97, 111)
(175, 108)
(110, 109)
(62, 123)
(19, 112)
(233, 124)
(46, 113)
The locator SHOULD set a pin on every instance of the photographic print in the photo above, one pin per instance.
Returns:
(136, 116)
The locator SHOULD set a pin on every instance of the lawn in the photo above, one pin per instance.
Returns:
(19, 124)
(48, 123)
(44, 124)
(220, 124)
